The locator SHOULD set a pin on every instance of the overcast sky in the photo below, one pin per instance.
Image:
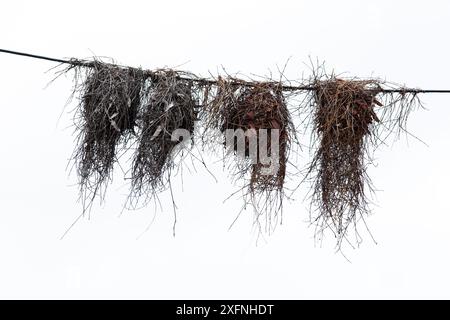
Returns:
(402, 41)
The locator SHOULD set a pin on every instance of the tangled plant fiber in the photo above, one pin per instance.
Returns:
(105, 120)
(170, 103)
(251, 108)
(351, 118)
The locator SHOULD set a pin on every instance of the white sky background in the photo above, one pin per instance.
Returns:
(403, 41)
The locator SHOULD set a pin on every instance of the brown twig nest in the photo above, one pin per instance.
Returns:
(170, 104)
(350, 118)
(105, 120)
(251, 109)
(343, 118)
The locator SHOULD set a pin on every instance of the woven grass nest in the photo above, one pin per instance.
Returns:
(105, 121)
(351, 118)
(250, 109)
(170, 104)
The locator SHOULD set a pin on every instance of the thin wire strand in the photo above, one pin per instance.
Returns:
(88, 64)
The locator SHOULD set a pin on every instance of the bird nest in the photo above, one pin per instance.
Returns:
(351, 118)
(168, 116)
(105, 120)
(257, 127)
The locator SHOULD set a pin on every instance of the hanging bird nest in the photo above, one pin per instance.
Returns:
(105, 120)
(170, 104)
(351, 118)
(251, 109)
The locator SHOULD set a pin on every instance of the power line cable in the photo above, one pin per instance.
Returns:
(83, 63)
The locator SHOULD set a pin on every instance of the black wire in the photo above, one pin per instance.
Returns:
(77, 62)
(35, 56)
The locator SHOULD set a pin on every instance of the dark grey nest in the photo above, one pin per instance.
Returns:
(105, 119)
(170, 103)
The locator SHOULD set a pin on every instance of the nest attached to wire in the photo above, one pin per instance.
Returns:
(250, 108)
(170, 104)
(105, 120)
(347, 130)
